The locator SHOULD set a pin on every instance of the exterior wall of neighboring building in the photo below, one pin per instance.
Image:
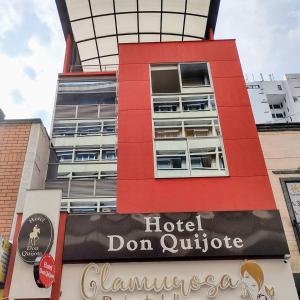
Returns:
(247, 186)
(276, 101)
(281, 149)
(24, 151)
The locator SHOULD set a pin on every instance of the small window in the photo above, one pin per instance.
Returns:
(64, 155)
(86, 155)
(109, 154)
(165, 107)
(165, 163)
(109, 127)
(279, 87)
(271, 106)
(279, 115)
(273, 116)
(284, 114)
(89, 128)
(207, 158)
(195, 105)
(165, 133)
(202, 161)
(63, 130)
(276, 106)
(295, 98)
(194, 75)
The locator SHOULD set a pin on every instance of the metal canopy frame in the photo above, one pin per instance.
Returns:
(184, 31)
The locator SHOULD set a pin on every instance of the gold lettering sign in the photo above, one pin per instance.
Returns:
(97, 279)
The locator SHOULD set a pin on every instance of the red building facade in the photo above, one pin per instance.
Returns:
(247, 185)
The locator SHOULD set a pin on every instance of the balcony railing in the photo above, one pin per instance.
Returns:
(102, 205)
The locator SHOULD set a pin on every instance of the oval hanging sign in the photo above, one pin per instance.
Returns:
(35, 238)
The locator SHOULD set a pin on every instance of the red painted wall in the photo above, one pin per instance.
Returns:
(246, 188)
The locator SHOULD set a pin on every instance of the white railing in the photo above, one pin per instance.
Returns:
(99, 205)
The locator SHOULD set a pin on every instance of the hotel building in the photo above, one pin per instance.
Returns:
(157, 186)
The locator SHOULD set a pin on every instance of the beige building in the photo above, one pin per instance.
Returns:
(281, 148)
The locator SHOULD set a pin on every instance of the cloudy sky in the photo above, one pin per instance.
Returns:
(32, 47)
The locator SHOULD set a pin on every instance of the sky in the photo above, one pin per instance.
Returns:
(32, 48)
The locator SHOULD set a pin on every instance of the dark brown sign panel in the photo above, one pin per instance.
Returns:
(109, 237)
(35, 237)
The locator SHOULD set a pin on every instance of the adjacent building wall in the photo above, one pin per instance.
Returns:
(24, 151)
(13, 146)
(281, 150)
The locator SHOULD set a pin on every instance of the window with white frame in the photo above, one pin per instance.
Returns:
(87, 154)
(186, 130)
(175, 78)
(167, 160)
(84, 128)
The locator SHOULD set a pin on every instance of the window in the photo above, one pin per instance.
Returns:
(291, 191)
(207, 158)
(284, 114)
(295, 98)
(109, 127)
(186, 132)
(279, 87)
(171, 160)
(86, 155)
(62, 129)
(165, 79)
(64, 155)
(186, 128)
(194, 74)
(195, 103)
(279, 115)
(273, 116)
(109, 154)
(177, 77)
(89, 128)
(271, 106)
(276, 106)
(165, 107)
(253, 86)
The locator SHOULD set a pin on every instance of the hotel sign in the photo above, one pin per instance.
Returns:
(35, 238)
(110, 237)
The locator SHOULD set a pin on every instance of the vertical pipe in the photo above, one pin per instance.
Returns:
(68, 52)
(211, 34)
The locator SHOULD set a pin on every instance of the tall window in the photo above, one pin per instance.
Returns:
(186, 131)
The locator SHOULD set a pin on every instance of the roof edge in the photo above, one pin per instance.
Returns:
(278, 127)
(22, 121)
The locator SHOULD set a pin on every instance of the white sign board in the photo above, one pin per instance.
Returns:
(184, 280)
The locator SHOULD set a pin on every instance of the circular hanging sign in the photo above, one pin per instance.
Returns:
(35, 238)
(44, 271)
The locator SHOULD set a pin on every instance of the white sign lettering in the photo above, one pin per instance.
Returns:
(169, 242)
